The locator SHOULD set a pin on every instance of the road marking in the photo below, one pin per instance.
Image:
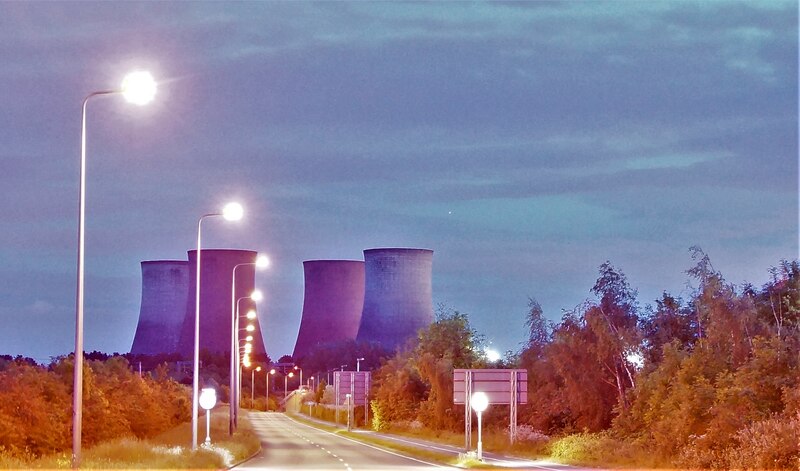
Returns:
(367, 445)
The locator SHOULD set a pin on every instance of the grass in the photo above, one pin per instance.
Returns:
(170, 450)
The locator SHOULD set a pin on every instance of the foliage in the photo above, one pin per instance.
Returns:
(35, 405)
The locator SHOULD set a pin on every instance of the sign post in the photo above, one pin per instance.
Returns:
(501, 386)
(354, 384)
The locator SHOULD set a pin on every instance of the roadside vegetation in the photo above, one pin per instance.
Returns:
(130, 421)
(711, 380)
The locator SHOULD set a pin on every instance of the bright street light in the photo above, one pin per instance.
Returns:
(479, 402)
(129, 84)
(253, 386)
(139, 88)
(251, 314)
(270, 372)
(207, 400)
(227, 213)
(235, 380)
(233, 211)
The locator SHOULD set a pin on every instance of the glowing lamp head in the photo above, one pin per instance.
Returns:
(251, 314)
(272, 371)
(479, 401)
(291, 375)
(139, 87)
(258, 368)
(248, 348)
(250, 328)
(208, 398)
(233, 211)
(262, 261)
(249, 338)
(256, 295)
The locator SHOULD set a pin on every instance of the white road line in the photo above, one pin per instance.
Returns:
(367, 445)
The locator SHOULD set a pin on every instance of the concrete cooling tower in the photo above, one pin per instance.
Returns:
(398, 298)
(165, 288)
(216, 276)
(334, 298)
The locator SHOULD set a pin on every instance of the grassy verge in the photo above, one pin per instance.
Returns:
(170, 450)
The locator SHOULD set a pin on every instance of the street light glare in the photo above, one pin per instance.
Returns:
(233, 211)
(256, 295)
(250, 328)
(479, 401)
(262, 261)
(251, 314)
(139, 87)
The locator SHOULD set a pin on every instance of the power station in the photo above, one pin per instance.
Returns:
(398, 295)
(384, 299)
(165, 284)
(216, 278)
(332, 303)
(167, 312)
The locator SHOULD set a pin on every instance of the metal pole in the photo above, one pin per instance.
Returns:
(234, 357)
(208, 426)
(196, 359)
(252, 388)
(77, 373)
(480, 443)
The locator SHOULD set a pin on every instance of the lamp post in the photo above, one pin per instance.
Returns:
(208, 399)
(261, 262)
(231, 212)
(235, 380)
(358, 363)
(479, 402)
(285, 384)
(138, 88)
(253, 387)
(296, 368)
(270, 372)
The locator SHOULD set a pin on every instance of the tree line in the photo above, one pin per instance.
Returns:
(710, 381)
(36, 404)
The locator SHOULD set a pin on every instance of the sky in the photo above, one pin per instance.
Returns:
(525, 143)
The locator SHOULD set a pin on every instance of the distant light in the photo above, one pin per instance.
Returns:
(250, 328)
(233, 211)
(636, 359)
(251, 314)
(248, 348)
(262, 261)
(256, 295)
(272, 371)
(258, 368)
(139, 87)
(291, 374)
(492, 355)
(249, 338)
(479, 401)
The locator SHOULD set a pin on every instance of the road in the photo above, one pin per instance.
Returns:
(288, 444)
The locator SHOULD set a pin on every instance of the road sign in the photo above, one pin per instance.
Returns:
(501, 386)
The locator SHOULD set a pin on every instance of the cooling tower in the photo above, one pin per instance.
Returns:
(334, 297)
(165, 287)
(398, 298)
(216, 276)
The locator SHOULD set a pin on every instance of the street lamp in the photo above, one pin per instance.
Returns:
(261, 261)
(285, 384)
(138, 88)
(253, 387)
(301, 373)
(235, 381)
(358, 363)
(479, 402)
(208, 398)
(231, 212)
(270, 372)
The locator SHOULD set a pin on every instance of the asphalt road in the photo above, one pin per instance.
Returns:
(287, 444)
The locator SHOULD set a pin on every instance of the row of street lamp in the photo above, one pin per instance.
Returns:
(139, 88)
